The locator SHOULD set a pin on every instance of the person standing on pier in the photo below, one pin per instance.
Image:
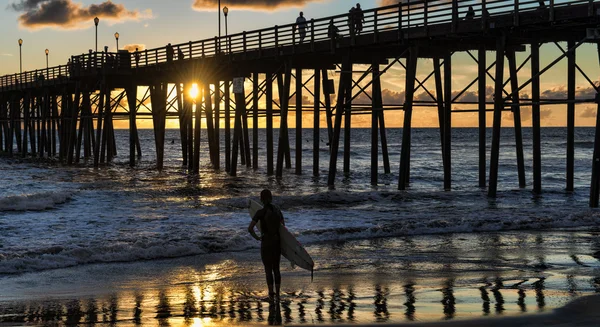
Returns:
(333, 31)
(270, 217)
(359, 18)
(137, 57)
(470, 13)
(541, 5)
(301, 26)
(170, 52)
(351, 19)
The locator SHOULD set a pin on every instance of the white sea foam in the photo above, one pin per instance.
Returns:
(34, 201)
(118, 214)
(372, 215)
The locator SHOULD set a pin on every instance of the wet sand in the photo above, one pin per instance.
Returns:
(496, 279)
(581, 312)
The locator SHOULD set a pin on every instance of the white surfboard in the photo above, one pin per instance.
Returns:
(291, 249)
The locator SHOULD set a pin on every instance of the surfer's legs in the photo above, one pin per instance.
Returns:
(270, 282)
(271, 257)
(267, 260)
(276, 272)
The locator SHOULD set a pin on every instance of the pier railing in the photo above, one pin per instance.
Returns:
(401, 17)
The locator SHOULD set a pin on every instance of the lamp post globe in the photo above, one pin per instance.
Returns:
(96, 21)
(20, 56)
(225, 13)
(117, 38)
(47, 52)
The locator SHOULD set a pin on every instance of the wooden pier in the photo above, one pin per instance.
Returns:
(68, 111)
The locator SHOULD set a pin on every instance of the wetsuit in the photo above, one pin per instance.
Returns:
(270, 217)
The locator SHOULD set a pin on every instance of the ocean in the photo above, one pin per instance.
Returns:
(57, 219)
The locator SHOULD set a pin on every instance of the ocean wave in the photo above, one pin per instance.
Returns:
(57, 257)
(35, 201)
(368, 215)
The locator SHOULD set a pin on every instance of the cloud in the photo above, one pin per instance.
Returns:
(589, 112)
(65, 14)
(133, 46)
(209, 5)
(526, 114)
(560, 92)
(6, 55)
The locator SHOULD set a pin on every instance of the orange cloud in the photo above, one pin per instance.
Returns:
(209, 5)
(65, 14)
(132, 47)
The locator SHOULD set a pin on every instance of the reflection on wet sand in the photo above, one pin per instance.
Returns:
(336, 305)
(539, 293)
(485, 298)
(137, 310)
(409, 290)
(521, 301)
(427, 290)
(448, 299)
(381, 308)
(275, 314)
(498, 285)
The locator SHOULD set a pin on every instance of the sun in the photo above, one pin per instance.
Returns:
(194, 91)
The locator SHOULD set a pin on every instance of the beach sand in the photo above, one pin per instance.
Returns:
(497, 279)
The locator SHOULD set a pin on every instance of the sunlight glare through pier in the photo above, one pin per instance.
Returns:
(194, 91)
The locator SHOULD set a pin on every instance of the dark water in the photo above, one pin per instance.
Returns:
(64, 226)
(55, 217)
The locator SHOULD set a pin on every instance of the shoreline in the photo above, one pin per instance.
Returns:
(423, 280)
(581, 312)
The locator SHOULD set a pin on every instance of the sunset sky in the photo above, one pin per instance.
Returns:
(66, 27)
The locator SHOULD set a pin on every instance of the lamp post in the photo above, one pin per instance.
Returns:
(117, 38)
(96, 21)
(20, 56)
(225, 12)
(47, 52)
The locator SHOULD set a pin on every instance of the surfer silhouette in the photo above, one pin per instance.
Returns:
(270, 217)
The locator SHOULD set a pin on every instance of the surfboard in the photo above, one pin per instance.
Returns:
(291, 249)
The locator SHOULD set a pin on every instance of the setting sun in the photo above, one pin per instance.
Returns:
(194, 91)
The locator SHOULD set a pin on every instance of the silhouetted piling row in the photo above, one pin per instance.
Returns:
(69, 111)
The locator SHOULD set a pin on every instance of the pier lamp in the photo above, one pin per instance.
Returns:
(96, 21)
(117, 38)
(47, 52)
(20, 56)
(225, 12)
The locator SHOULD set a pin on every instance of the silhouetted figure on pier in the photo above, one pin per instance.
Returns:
(170, 52)
(301, 26)
(470, 13)
(90, 59)
(542, 5)
(110, 61)
(333, 31)
(180, 55)
(70, 67)
(359, 19)
(270, 217)
(137, 57)
(351, 18)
